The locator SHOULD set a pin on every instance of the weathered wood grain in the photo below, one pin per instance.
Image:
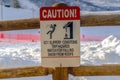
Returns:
(19, 24)
(24, 72)
(100, 19)
(90, 20)
(105, 70)
(60, 73)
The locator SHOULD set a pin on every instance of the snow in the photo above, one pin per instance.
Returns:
(28, 10)
(102, 31)
(83, 13)
(105, 52)
(92, 53)
(13, 13)
(111, 41)
(114, 3)
(17, 55)
(99, 53)
(27, 4)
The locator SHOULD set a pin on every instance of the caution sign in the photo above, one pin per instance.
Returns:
(60, 36)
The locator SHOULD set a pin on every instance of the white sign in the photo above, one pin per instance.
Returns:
(60, 36)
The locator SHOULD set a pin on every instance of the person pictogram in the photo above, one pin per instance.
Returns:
(53, 27)
(68, 30)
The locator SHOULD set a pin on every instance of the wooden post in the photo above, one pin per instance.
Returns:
(60, 73)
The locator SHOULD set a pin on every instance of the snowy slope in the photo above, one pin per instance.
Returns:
(85, 5)
(30, 10)
(13, 13)
(27, 10)
(23, 3)
(114, 3)
(27, 4)
(100, 5)
(108, 51)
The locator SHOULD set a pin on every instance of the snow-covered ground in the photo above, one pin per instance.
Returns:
(27, 4)
(92, 53)
(14, 13)
(114, 3)
(105, 52)
(27, 10)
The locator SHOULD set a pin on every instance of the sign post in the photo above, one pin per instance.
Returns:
(60, 39)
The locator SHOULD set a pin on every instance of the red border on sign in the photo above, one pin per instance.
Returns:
(60, 13)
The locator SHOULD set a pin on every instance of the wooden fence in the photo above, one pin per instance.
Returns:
(61, 73)
(89, 19)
